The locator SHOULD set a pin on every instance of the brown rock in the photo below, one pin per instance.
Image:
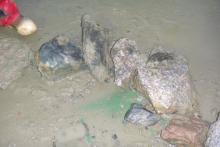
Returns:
(185, 131)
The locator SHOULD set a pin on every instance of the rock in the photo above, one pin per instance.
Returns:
(213, 137)
(59, 58)
(125, 57)
(96, 40)
(77, 131)
(13, 60)
(114, 137)
(138, 115)
(164, 79)
(185, 131)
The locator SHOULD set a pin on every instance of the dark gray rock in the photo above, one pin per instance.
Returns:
(137, 114)
(164, 79)
(59, 58)
(125, 57)
(13, 60)
(96, 40)
(213, 137)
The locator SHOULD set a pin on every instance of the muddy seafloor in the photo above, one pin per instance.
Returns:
(33, 110)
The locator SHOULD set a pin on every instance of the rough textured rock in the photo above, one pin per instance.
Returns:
(96, 40)
(13, 60)
(164, 79)
(125, 57)
(185, 131)
(213, 137)
(58, 59)
(137, 114)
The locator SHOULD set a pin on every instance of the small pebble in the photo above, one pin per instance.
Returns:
(107, 80)
(146, 128)
(114, 137)
(114, 115)
(124, 122)
(117, 143)
(93, 137)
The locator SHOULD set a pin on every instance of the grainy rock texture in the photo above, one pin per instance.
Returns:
(13, 60)
(125, 57)
(164, 79)
(96, 40)
(185, 131)
(58, 59)
(137, 114)
(213, 137)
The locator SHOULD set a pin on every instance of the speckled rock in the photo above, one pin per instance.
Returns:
(96, 40)
(13, 60)
(164, 79)
(185, 131)
(125, 57)
(213, 137)
(59, 58)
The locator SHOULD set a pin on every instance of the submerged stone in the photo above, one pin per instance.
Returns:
(59, 58)
(125, 58)
(185, 131)
(213, 137)
(137, 114)
(164, 79)
(13, 60)
(96, 40)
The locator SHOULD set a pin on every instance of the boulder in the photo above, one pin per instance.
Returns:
(164, 79)
(13, 60)
(185, 131)
(125, 57)
(59, 58)
(213, 137)
(96, 40)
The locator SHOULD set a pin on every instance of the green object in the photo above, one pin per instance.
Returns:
(118, 101)
(88, 136)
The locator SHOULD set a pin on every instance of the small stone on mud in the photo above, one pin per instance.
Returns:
(114, 137)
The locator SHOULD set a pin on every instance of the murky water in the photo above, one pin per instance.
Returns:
(32, 110)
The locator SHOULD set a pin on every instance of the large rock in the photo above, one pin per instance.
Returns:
(164, 79)
(96, 40)
(59, 58)
(185, 131)
(125, 57)
(13, 60)
(213, 137)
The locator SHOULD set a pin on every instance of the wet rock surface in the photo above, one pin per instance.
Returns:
(96, 40)
(125, 58)
(185, 131)
(138, 115)
(213, 137)
(59, 58)
(164, 79)
(13, 60)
